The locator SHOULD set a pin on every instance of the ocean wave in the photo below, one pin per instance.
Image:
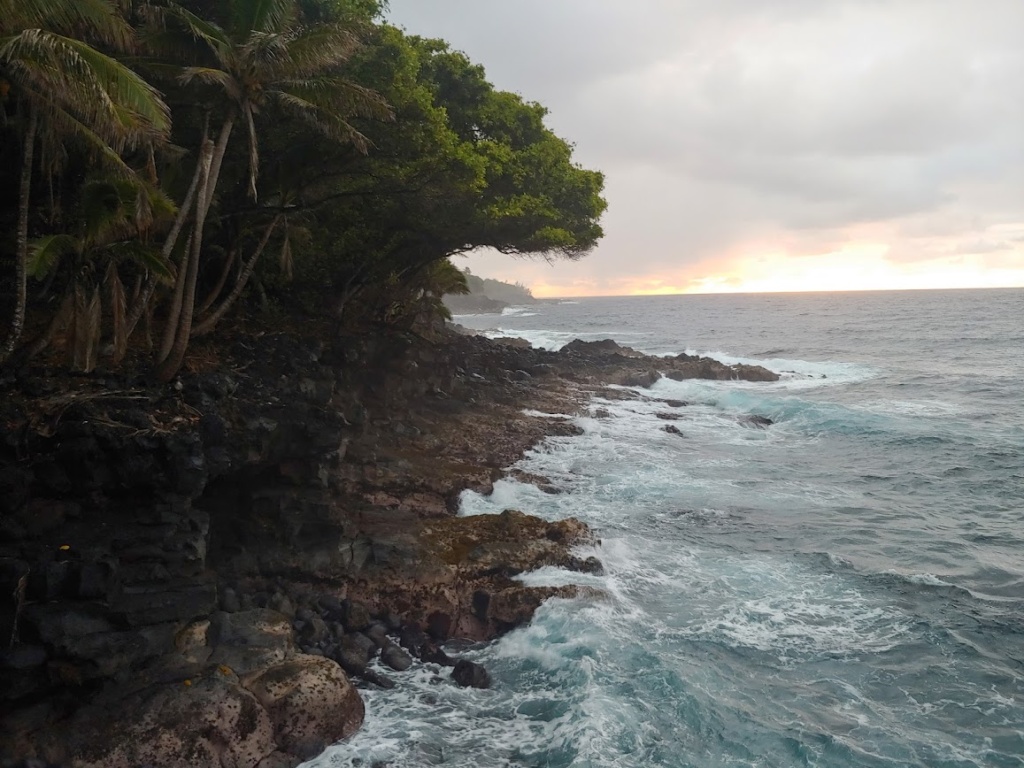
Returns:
(519, 311)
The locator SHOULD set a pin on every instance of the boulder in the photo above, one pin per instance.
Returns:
(208, 722)
(354, 652)
(377, 679)
(310, 701)
(469, 674)
(396, 658)
(355, 617)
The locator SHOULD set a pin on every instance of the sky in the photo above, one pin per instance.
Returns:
(769, 145)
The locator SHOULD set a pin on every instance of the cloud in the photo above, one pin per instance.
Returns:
(792, 126)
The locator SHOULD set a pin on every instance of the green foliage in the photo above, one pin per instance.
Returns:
(47, 252)
(464, 166)
(369, 157)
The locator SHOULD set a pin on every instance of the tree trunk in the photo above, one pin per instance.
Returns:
(59, 319)
(140, 306)
(210, 322)
(229, 262)
(211, 160)
(169, 367)
(118, 305)
(21, 256)
(174, 313)
(218, 159)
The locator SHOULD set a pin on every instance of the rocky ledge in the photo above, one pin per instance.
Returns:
(190, 575)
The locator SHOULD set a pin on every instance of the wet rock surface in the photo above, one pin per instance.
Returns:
(190, 574)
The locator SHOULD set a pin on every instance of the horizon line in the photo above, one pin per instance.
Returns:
(779, 293)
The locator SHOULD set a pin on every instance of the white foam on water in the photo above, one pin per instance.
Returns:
(794, 413)
(428, 720)
(550, 340)
(519, 310)
(545, 415)
(466, 315)
(547, 704)
(551, 576)
(703, 582)
(924, 579)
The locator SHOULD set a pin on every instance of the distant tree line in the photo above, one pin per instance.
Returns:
(510, 293)
(162, 162)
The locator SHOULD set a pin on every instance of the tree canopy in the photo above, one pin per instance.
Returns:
(208, 135)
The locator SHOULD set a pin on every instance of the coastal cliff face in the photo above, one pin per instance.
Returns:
(190, 574)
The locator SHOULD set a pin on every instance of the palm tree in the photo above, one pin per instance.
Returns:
(64, 88)
(262, 56)
(106, 234)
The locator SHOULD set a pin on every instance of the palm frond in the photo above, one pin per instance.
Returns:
(62, 122)
(318, 49)
(114, 100)
(45, 253)
(265, 51)
(127, 89)
(211, 76)
(103, 211)
(85, 325)
(336, 94)
(118, 310)
(261, 16)
(216, 39)
(95, 19)
(145, 256)
(327, 103)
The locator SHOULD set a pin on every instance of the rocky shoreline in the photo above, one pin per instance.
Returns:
(195, 574)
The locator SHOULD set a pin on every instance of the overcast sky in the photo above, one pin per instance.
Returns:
(770, 144)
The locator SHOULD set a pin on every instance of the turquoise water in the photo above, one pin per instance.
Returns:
(844, 588)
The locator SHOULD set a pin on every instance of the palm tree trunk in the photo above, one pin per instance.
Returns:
(21, 257)
(59, 319)
(169, 367)
(140, 306)
(210, 322)
(214, 294)
(218, 158)
(174, 313)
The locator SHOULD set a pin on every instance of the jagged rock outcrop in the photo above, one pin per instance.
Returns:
(456, 574)
(611, 363)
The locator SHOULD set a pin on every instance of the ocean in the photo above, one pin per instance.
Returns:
(842, 588)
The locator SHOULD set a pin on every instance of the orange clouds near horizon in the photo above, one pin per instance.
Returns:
(854, 268)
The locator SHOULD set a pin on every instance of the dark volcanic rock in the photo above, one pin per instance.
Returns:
(602, 348)
(375, 678)
(304, 492)
(396, 658)
(469, 674)
(354, 653)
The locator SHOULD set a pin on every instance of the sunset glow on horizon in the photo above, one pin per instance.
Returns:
(855, 268)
